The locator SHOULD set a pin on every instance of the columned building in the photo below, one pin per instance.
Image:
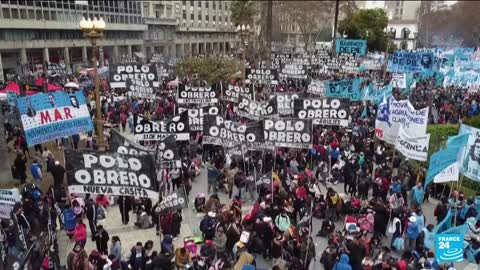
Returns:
(160, 18)
(33, 33)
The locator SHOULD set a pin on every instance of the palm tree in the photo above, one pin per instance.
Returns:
(243, 11)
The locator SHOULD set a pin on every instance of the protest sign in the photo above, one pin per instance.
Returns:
(173, 202)
(195, 116)
(54, 68)
(326, 111)
(55, 115)
(233, 93)
(135, 72)
(289, 132)
(353, 46)
(394, 114)
(196, 95)
(12, 99)
(285, 102)
(449, 248)
(121, 145)
(8, 198)
(265, 182)
(110, 174)
(470, 162)
(146, 130)
(236, 152)
(403, 61)
(317, 88)
(344, 89)
(372, 64)
(218, 131)
(255, 110)
(293, 71)
(449, 174)
(162, 71)
(139, 89)
(399, 80)
(415, 148)
(167, 156)
(261, 76)
(157, 58)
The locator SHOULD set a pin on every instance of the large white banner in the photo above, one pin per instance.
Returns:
(449, 174)
(394, 114)
(415, 148)
(8, 198)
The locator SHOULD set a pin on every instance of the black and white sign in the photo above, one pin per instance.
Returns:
(8, 198)
(255, 110)
(110, 174)
(265, 181)
(122, 145)
(54, 68)
(167, 154)
(195, 116)
(261, 76)
(146, 130)
(317, 88)
(289, 132)
(234, 92)
(294, 71)
(285, 102)
(218, 131)
(415, 148)
(236, 152)
(326, 111)
(196, 95)
(135, 72)
(140, 88)
(173, 202)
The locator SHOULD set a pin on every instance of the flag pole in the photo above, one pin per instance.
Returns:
(456, 200)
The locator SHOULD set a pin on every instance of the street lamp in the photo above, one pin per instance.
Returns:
(244, 31)
(93, 30)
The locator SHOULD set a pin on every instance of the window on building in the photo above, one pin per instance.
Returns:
(207, 17)
(192, 3)
(184, 14)
(192, 16)
(214, 5)
(184, 2)
(199, 17)
(214, 18)
(206, 4)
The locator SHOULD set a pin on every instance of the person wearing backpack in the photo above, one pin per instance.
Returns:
(207, 226)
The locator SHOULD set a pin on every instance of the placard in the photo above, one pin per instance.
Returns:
(8, 198)
(353, 46)
(233, 93)
(317, 88)
(285, 102)
(344, 89)
(261, 76)
(326, 111)
(470, 163)
(289, 132)
(139, 89)
(415, 148)
(121, 145)
(403, 61)
(110, 174)
(195, 116)
(294, 71)
(146, 130)
(173, 202)
(399, 80)
(196, 95)
(49, 116)
(449, 247)
(255, 110)
(218, 131)
(54, 68)
(135, 72)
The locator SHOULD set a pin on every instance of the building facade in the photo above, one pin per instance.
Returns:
(36, 32)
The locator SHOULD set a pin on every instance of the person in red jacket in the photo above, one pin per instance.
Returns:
(80, 233)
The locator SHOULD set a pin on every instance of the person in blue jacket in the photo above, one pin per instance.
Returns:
(343, 263)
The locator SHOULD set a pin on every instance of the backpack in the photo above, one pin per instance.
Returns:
(205, 225)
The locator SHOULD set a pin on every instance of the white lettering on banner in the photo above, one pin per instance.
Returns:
(323, 111)
(413, 148)
(254, 110)
(449, 174)
(288, 133)
(8, 198)
(394, 114)
(233, 93)
(113, 190)
(284, 103)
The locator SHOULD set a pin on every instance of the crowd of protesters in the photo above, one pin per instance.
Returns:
(382, 225)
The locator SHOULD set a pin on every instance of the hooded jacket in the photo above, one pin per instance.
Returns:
(343, 263)
(166, 245)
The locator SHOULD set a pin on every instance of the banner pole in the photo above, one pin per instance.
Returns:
(456, 201)
(273, 169)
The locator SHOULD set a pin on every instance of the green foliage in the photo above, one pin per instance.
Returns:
(371, 21)
(243, 12)
(210, 69)
(473, 121)
(439, 135)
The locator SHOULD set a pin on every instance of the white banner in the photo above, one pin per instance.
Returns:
(449, 174)
(8, 198)
(415, 148)
(394, 114)
(399, 80)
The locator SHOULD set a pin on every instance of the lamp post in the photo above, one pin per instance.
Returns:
(244, 31)
(390, 35)
(93, 30)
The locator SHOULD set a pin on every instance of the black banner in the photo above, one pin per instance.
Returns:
(196, 95)
(218, 131)
(261, 76)
(139, 88)
(119, 74)
(234, 92)
(167, 156)
(293, 71)
(195, 116)
(54, 68)
(285, 102)
(255, 110)
(289, 132)
(173, 202)
(236, 152)
(122, 145)
(110, 174)
(265, 181)
(316, 88)
(146, 130)
(326, 111)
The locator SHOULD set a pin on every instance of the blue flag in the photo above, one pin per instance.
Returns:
(364, 112)
(445, 224)
(458, 141)
(462, 229)
(439, 161)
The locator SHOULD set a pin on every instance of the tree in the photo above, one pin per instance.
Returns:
(243, 11)
(210, 69)
(367, 24)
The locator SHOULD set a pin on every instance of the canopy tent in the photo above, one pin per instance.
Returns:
(14, 87)
(50, 87)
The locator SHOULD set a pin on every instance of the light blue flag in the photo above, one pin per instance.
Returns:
(458, 140)
(364, 112)
(445, 224)
(462, 229)
(377, 94)
(439, 161)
